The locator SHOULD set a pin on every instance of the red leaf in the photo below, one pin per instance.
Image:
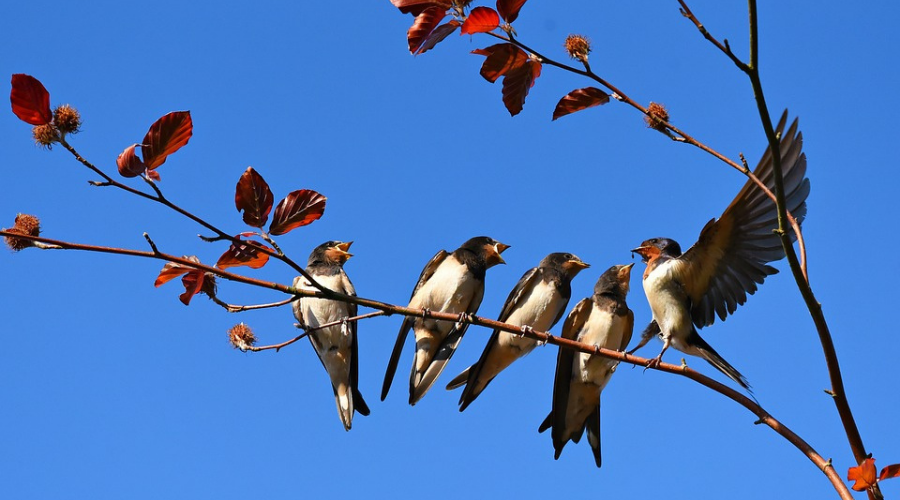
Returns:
(193, 283)
(245, 253)
(253, 197)
(165, 137)
(297, 209)
(501, 59)
(889, 472)
(509, 9)
(863, 474)
(153, 175)
(30, 100)
(173, 270)
(423, 26)
(129, 164)
(577, 100)
(416, 7)
(480, 20)
(516, 84)
(439, 33)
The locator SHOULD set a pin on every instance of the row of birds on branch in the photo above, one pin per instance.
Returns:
(685, 291)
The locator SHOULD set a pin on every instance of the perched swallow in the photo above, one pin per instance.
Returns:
(538, 301)
(336, 345)
(450, 283)
(603, 320)
(687, 290)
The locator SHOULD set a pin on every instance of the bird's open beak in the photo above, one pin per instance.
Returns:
(642, 251)
(578, 264)
(342, 249)
(498, 249)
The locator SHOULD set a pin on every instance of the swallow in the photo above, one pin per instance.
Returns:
(538, 301)
(450, 283)
(686, 291)
(336, 346)
(603, 320)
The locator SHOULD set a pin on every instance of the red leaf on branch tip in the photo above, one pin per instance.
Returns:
(423, 26)
(516, 85)
(889, 472)
(509, 9)
(297, 209)
(129, 164)
(173, 270)
(30, 100)
(253, 197)
(416, 7)
(436, 36)
(245, 253)
(863, 474)
(193, 283)
(579, 99)
(153, 175)
(480, 20)
(166, 135)
(501, 59)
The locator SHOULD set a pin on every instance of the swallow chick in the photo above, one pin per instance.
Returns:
(686, 291)
(450, 283)
(603, 320)
(336, 346)
(537, 301)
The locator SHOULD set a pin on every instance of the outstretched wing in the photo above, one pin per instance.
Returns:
(427, 273)
(730, 258)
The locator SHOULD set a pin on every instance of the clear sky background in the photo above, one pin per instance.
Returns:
(111, 388)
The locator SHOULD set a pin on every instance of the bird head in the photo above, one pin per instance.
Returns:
(331, 252)
(570, 264)
(654, 247)
(487, 248)
(616, 280)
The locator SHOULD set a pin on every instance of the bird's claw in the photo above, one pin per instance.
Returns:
(526, 329)
(425, 312)
(654, 363)
(461, 321)
(345, 327)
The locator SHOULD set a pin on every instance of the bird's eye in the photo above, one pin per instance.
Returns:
(569, 256)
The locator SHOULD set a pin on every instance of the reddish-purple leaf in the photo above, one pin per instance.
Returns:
(579, 99)
(509, 9)
(480, 20)
(863, 474)
(297, 209)
(423, 26)
(165, 137)
(517, 83)
(153, 175)
(501, 59)
(436, 36)
(889, 472)
(129, 164)
(245, 253)
(253, 197)
(30, 100)
(416, 7)
(193, 283)
(173, 270)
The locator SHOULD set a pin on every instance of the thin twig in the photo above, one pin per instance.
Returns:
(159, 198)
(278, 347)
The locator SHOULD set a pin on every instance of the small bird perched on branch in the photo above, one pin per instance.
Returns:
(537, 301)
(450, 283)
(337, 346)
(687, 290)
(603, 320)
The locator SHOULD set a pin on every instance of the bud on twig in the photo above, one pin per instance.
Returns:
(25, 224)
(656, 116)
(578, 47)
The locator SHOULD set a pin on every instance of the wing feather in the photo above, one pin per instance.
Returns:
(730, 258)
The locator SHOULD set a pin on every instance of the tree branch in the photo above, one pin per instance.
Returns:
(388, 309)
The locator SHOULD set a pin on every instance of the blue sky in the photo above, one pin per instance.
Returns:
(111, 388)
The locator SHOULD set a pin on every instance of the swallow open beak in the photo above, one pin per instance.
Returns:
(342, 250)
(578, 264)
(498, 249)
(643, 251)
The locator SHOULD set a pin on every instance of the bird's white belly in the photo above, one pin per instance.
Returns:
(449, 290)
(604, 330)
(537, 309)
(667, 302)
(318, 312)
